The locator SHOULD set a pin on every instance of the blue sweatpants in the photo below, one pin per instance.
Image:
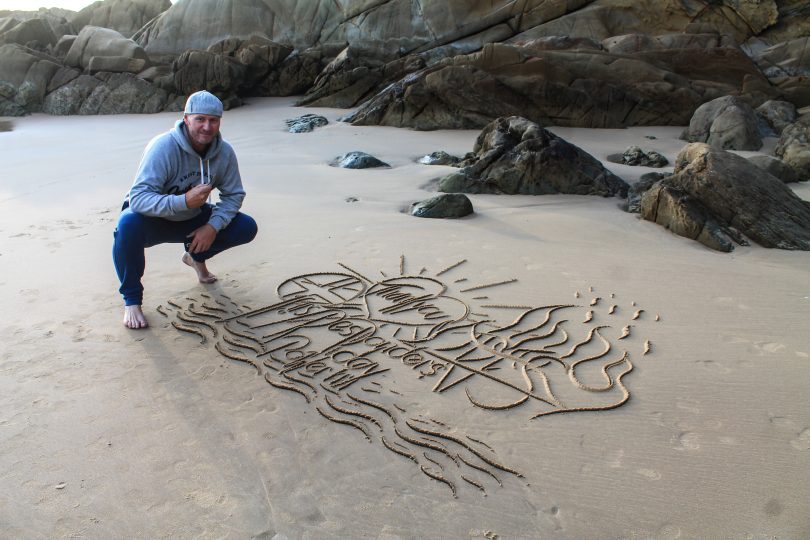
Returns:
(135, 232)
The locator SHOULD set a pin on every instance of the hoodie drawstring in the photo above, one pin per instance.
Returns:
(205, 180)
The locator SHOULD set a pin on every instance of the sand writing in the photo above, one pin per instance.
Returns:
(341, 341)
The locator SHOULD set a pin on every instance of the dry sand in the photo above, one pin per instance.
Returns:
(110, 433)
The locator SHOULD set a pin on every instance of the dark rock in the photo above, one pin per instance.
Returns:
(26, 69)
(33, 33)
(440, 158)
(637, 190)
(446, 205)
(306, 123)
(357, 160)
(777, 115)
(727, 123)
(108, 93)
(794, 147)
(635, 156)
(516, 156)
(716, 196)
(776, 167)
(203, 70)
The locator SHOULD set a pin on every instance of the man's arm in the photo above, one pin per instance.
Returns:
(231, 194)
(147, 195)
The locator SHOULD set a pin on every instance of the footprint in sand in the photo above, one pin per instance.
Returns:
(687, 441)
(802, 442)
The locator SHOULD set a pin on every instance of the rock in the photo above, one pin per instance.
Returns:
(257, 54)
(33, 33)
(440, 158)
(516, 156)
(124, 16)
(777, 115)
(100, 43)
(446, 205)
(581, 88)
(294, 76)
(31, 70)
(306, 123)
(644, 183)
(716, 196)
(793, 147)
(727, 123)
(113, 93)
(786, 59)
(343, 82)
(203, 70)
(116, 64)
(635, 156)
(357, 160)
(776, 167)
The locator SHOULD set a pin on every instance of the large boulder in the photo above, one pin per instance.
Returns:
(203, 70)
(513, 155)
(728, 123)
(33, 33)
(718, 198)
(258, 54)
(446, 205)
(106, 49)
(579, 87)
(775, 167)
(29, 73)
(106, 93)
(295, 75)
(124, 16)
(794, 147)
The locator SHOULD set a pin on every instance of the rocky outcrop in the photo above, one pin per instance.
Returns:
(393, 28)
(727, 123)
(717, 198)
(576, 87)
(787, 66)
(124, 16)
(513, 155)
(794, 147)
(103, 49)
(446, 205)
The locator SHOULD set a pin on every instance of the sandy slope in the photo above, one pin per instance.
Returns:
(109, 433)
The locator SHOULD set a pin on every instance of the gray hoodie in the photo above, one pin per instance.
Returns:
(170, 167)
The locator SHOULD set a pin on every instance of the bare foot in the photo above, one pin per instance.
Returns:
(134, 317)
(202, 271)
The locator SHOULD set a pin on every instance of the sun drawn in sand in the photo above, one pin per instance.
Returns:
(337, 338)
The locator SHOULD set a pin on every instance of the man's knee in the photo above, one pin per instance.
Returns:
(129, 224)
(247, 228)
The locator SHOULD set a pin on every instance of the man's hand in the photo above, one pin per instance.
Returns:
(196, 196)
(202, 238)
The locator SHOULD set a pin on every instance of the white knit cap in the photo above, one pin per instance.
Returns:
(203, 102)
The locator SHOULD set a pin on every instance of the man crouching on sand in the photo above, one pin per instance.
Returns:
(167, 201)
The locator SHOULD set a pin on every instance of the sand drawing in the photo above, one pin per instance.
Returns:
(365, 352)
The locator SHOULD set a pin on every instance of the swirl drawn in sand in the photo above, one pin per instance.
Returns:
(339, 339)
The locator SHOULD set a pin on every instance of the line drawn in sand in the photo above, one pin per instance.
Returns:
(339, 340)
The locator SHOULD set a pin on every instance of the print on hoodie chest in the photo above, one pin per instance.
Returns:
(182, 188)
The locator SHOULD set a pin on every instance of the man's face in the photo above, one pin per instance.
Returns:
(202, 129)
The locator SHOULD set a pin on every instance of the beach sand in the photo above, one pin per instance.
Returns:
(111, 433)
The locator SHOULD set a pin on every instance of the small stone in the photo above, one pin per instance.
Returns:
(306, 123)
(357, 160)
(446, 205)
(61, 485)
(440, 158)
